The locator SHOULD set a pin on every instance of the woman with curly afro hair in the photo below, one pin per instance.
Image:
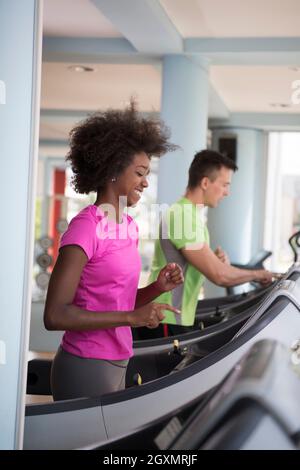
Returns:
(93, 292)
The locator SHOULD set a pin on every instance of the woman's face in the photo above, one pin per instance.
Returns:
(132, 182)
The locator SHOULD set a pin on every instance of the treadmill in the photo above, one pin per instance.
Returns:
(256, 262)
(214, 311)
(157, 357)
(210, 311)
(72, 424)
(255, 406)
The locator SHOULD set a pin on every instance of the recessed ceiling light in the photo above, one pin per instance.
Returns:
(279, 105)
(81, 68)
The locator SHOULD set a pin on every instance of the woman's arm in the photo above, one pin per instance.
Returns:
(60, 314)
(170, 276)
(147, 294)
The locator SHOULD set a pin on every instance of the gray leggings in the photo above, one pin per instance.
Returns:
(76, 377)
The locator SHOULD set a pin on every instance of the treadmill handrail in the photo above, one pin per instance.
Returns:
(127, 394)
(252, 378)
(295, 239)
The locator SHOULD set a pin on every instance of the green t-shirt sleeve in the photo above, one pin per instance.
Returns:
(186, 226)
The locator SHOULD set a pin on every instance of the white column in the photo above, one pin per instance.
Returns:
(237, 223)
(20, 65)
(185, 111)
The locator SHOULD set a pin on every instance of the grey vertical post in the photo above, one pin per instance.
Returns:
(237, 224)
(20, 65)
(185, 111)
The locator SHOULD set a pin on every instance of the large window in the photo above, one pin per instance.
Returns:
(283, 197)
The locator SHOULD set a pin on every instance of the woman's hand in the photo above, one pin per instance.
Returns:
(149, 315)
(170, 276)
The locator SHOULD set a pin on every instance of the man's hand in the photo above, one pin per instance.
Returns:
(149, 315)
(222, 255)
(264, 277)
(170, 276)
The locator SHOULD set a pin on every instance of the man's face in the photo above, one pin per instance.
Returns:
(218, 188)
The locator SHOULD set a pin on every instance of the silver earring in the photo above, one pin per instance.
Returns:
(114, 179)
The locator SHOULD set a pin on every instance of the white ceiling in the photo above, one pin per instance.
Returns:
(110, 85)
(242, 88)
(192, 18)
(76, 18)
(234, 18)
(255, 89)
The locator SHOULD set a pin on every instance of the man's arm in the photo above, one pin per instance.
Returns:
(222, 274)
(222, 255)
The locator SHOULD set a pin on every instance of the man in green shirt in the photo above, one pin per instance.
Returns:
(184, 239)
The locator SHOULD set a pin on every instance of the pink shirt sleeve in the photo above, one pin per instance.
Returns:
(81, 232)
(133, 229)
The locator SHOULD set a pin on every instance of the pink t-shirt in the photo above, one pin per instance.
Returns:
(108, 282)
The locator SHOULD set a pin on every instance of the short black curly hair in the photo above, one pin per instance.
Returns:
(104, 144)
